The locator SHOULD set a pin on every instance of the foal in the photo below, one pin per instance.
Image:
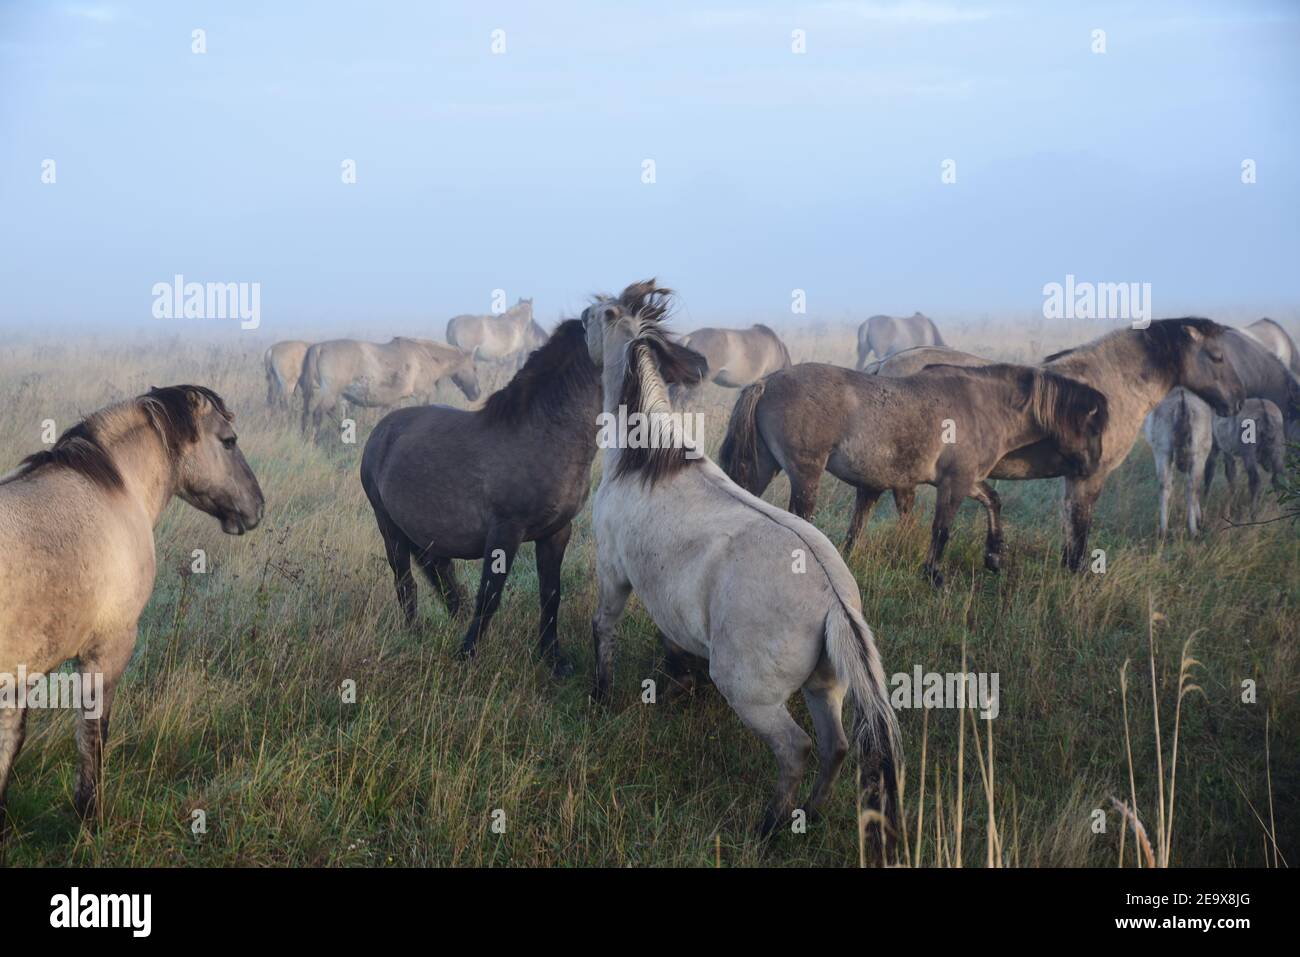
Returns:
(944, 426)
(76, 544)
(758, 593)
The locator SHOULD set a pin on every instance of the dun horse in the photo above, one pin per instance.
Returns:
(375, 375)
(506, 338)
(77, 559)
(737, 357)
(446, 483)
(1134, 369)
(283, 363)
(945, 426)
(712, 565)
(886, 335)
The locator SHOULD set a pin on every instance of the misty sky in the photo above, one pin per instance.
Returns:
(523, 170)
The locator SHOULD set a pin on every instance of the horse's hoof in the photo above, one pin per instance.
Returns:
(561, 667)
(933, 576)
(993, 561)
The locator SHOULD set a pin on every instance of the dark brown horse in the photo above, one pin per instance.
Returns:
(447, 483)
(945, 426)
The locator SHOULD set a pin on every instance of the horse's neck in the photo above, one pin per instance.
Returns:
(1118, 366)
(144, 465)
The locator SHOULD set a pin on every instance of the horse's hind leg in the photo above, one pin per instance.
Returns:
(862, 506)
(397, 548)
(611, 600)
(498, 556)
(13, 730)
(986, 495)
(825, 699)
(550, 558)
(791, 747)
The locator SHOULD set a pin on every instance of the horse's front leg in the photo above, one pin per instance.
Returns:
(946, 502)
(498, 557)
(1080, 497)
(614, 593)
(550, 557)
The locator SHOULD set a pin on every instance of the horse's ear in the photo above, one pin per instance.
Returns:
(1193, 333)
(679, 364)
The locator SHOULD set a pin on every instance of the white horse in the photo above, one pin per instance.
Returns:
(760, 594)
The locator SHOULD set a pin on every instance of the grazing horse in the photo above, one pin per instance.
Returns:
(77, 560)
(718, 571)
(1134, 369)
(1275, 339)
(448, 483)
(946, 426)
(737, 357)
(1257, 436)
(886, 335)
(283, 363)
(1264, 376)
(375, 375)
(506, 338)
(1180, 433)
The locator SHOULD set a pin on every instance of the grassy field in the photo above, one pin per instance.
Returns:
(232, 704)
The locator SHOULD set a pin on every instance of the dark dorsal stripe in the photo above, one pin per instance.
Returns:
(552, 376)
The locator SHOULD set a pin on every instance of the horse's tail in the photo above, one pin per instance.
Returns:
(864, 345)
(938, 339)
(1183, 437)
(852, 651)
(309, 383)
(739, 455)
(274, 388)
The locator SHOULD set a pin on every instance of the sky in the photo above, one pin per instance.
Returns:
(523, 168)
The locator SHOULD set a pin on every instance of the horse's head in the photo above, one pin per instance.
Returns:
(614, 323)
(465, 375)
(210, 471)
(1075, 415)
(1194, 350)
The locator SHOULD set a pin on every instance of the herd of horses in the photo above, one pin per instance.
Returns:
(756, 595)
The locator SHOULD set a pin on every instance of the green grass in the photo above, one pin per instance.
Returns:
(232, 703)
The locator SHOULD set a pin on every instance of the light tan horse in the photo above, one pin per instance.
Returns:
(378, 375)
(886, 335)
(507, 338)
(760, 594)
(77, 559)
(283, 363)
(739, 357)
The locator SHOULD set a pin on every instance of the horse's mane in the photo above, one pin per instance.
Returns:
(1057, 403)
(1163, 339)
(654, 359)
(555, 372)
(81, 447)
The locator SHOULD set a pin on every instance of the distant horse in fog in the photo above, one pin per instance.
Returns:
(378, 375)
(737, 357)
(1180, 433)
(1274, 338)
(1135, 369)
(911, 361)
(945, 426)
(507, 338)
(712, 566)
(283, 363)
(77, 560)
(885, 335)
(448, 483)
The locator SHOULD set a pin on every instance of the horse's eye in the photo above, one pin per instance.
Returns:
(229, 443)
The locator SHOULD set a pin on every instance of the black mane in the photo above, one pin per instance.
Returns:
(553, 374)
